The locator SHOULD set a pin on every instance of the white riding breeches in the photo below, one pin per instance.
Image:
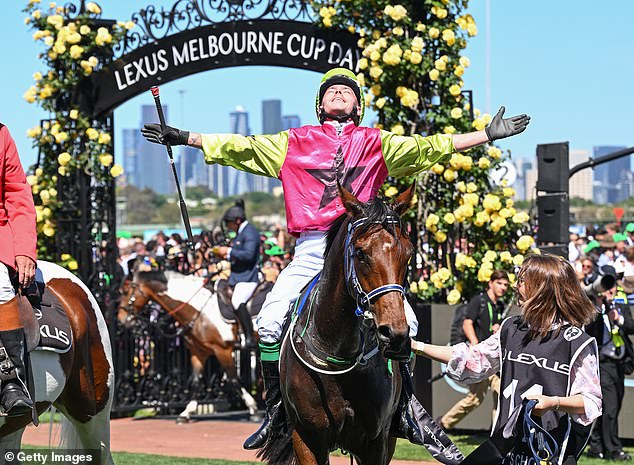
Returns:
(7, 292)
(242, 292)
(307, 262)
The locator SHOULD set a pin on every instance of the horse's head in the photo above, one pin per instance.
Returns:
(136, 292)
(377, 251)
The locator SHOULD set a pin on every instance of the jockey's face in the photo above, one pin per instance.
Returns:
(339, 100)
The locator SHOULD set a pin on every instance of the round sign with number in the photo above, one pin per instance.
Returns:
(504, 172)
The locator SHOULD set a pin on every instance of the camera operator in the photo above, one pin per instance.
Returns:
(611, 329)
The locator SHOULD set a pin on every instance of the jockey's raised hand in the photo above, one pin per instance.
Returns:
(172, 136)
(499, 128)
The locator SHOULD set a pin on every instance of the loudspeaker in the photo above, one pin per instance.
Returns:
(552, 167)
(553, 218)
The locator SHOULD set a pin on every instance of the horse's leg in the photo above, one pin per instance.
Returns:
(198, 364)
(378, 452)
(225, 358)
(308, 454)
(11, 441)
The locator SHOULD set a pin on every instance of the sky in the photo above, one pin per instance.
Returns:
(566, 63)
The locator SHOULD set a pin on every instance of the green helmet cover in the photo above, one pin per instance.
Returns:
(340, 76)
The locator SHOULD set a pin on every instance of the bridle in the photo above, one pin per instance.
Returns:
(364, 299)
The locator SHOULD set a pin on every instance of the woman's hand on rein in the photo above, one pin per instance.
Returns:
(544, 403)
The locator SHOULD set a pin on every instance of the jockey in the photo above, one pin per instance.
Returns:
(309, 161)
(17, 269)
(244, 256)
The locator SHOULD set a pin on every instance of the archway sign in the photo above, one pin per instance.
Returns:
(198, 35)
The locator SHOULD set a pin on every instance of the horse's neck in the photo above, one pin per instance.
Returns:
(180, 311)
(334, 319)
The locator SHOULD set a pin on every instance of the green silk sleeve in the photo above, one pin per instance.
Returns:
(262, 155)
(408, 155)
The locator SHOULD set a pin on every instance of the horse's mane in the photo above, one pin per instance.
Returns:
(153, 275)
(376, 211)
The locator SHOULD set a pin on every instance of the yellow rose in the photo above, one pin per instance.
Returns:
(440, 65)
(484, 163)
(391, 191)
(415, 58)
(422, 285)
(518, 260)
(116, 170)
(484, 275)
(521, 217)
(106, 159)
(380, 102)
(104, 138)
(508, 192)
(449, 130)
(506, 212)
(375, 72)
(524, 243)
(363, 63)
(103, 36)
(432, 220)
(398, 129)
(74, 114)
(434, 74)
(76, 51)
(440, 236)
(461, 187)
(413, 287)
(72, 265)
(417, 44)
(420, 27)
(471, 199)
(48, 230)
(450, 175)
(454, 90)
(464, 62)
(93, 8)
(490, 256)
(434, 33)
(92, 133)
(85, 29)
(130, 25)
(449, 218)
(438, 168)
(456, 113)
(458, 71)
(494, 152)
(63, 158)
(444, 273)
(398, 31)
(453, 297)
(65, 256)
(506, 257)
(491, 203)
(472, 187)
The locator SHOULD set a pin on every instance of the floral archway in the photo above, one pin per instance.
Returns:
(413, 63)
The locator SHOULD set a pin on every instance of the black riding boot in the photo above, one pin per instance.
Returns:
(14, 397)
(247, 325)
(273, 401)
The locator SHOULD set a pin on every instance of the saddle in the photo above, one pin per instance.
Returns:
(254, 304)
(46, 325)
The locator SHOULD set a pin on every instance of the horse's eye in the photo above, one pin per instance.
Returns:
(360, 255)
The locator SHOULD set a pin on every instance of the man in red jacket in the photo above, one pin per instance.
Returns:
(18, 241)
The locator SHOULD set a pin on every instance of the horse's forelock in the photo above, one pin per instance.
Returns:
(375, 211)
(152, 275)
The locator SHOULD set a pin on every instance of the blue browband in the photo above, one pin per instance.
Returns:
(352, 281)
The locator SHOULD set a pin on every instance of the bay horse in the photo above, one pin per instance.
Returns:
(195, 307)
(339, 376)
(79, 382)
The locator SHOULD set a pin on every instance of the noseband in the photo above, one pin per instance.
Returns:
(364, 299)
(129, 307)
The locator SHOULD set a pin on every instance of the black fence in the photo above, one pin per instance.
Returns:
(153, 369)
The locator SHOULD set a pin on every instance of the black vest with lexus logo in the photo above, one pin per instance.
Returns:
(540, 366)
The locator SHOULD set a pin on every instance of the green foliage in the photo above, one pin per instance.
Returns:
(413, 65)
(69, 144)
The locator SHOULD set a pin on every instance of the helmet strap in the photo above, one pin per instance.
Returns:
(340, 118)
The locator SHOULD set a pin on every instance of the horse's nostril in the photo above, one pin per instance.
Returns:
(385, 333)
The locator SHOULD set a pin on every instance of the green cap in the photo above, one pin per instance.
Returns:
(618, 237)
(591, 246)
(629, 227)
(275, 250)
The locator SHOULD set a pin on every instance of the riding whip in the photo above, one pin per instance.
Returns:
(181, 201)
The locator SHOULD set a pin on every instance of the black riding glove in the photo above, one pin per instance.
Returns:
(499, 128)
(172, 136)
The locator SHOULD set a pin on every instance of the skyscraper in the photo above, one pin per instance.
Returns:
(152, 164)
(611, 179)
(291, 121)
(130, 156)
(271, 116)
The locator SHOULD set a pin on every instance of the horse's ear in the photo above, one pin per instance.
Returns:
(352, 204)
(404, 201)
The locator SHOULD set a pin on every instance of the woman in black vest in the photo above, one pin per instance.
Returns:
(542, 354)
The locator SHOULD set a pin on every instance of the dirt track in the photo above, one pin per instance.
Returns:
(205, 438)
